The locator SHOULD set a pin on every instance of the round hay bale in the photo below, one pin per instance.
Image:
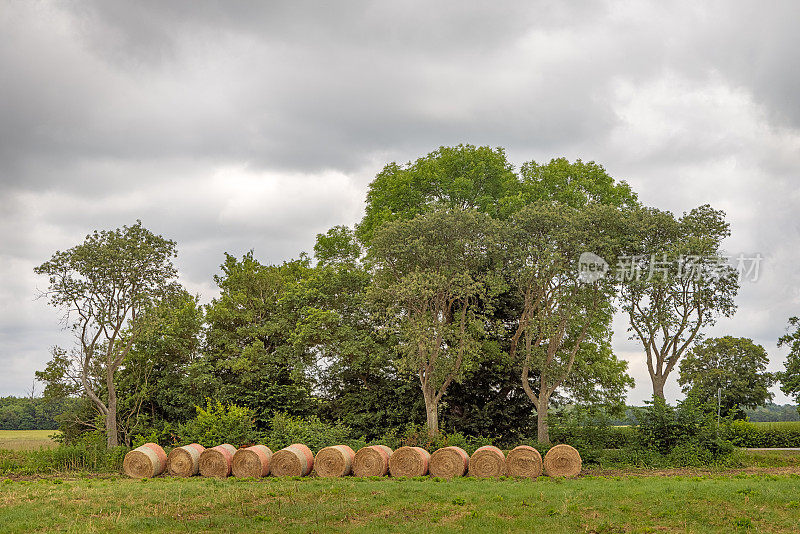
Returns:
(185, 461)
(216, 461)
(562, 461)
(372, 461)
(251, 462)
(335, 461)
(146, 461)
(487, 461)
(295, 460)
(449, 462)
(524, 461)
(409, 462)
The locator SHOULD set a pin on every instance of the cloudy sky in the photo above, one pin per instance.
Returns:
(231, 126)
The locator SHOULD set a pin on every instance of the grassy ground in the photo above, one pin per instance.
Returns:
(714, 503)
(19, 440)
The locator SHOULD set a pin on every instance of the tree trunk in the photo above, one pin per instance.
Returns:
(658, 387)
(432, 413)
(542, 430)
(111, 416)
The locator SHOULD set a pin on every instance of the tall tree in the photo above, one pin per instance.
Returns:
(249, 358)
(790, 376)
(103, 285)
(574, 184)
(356, 379)
(734, 366)
(675, 282)
(433, 275)
(459, 177)
(561, 326)
(153, 382)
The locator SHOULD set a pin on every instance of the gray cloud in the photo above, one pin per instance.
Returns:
(231, 126)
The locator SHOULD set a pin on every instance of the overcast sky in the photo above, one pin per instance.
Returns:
(237, 126)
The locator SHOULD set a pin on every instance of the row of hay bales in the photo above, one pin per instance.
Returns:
(224, 460)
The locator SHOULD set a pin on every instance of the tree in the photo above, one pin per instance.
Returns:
(735, 366)
(563, 316)
(249, 357)
(675, 282)
(153, 384)
(790, 376)
(356, 379)
(434, 277)
(104, 285)
(575, 184)
(460, 177)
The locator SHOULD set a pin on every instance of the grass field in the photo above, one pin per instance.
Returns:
(19, 440)
(713, 503)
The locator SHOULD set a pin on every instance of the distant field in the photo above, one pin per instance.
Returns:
(26, 440)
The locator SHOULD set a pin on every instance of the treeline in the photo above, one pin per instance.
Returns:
(26, 413)
(460, 302)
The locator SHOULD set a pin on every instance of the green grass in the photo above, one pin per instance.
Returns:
(739, 503)
(26, 440)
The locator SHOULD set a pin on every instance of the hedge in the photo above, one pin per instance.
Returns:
(762, 435)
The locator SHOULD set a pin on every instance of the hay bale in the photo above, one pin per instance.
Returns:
(524, 461)
(334, 461)
(372, 461)
(409, 462)
(295, 460)
(251, 462)
(216, 461)
(185, 461)
(562, 461)
(488, 461)
(449, 462)
(146, 461)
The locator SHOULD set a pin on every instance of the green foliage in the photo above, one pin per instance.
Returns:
(664, 428)
(737, 366)
(790, 377)
(575, 184)
(435, 282)
(105, 285)
(460, 177)
(561, 333)
(416, 435)
(688, 290)
(762, 435)
(219, 423)
(25, 413)
(249, 357)
(773, 412)
(287, 429)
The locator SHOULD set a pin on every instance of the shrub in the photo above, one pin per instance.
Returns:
(218, 423)
(416, 435)
(663, 428)
(287, 429)
(746, 434)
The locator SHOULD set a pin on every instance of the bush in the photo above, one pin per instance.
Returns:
(664, 428)
(746, 434)
(217, 423)
(416, 435)
(287, 429)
